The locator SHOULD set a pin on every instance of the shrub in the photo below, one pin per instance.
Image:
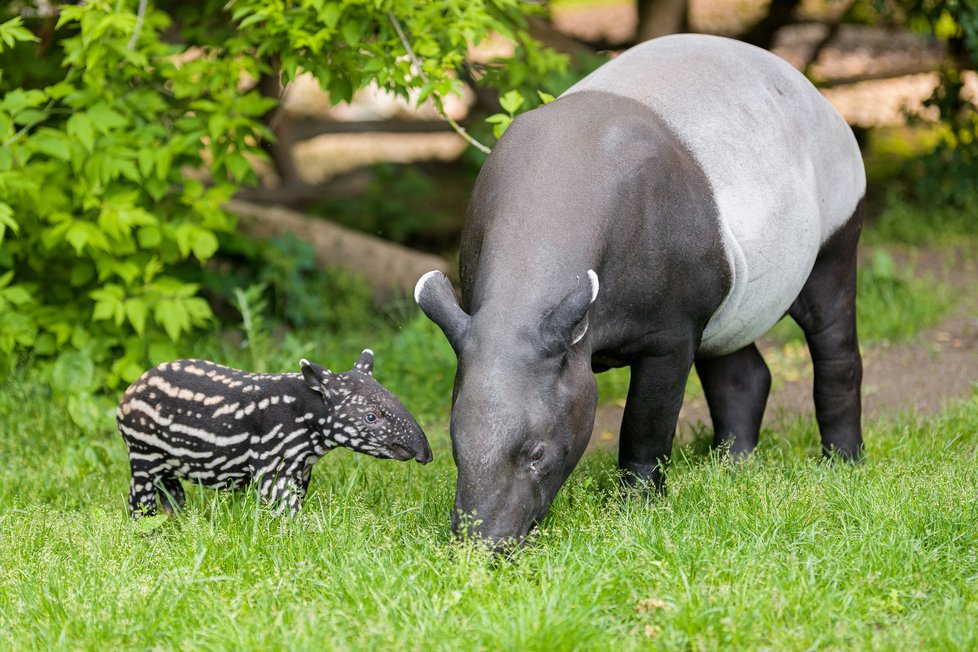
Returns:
(100, 223)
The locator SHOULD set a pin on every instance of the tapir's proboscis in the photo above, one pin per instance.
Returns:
(664, 212)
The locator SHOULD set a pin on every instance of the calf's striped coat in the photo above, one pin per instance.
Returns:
(223, 427)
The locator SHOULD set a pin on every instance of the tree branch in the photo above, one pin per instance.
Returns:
(140, 15)
(459, 129)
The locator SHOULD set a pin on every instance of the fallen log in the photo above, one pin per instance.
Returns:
(390, 269)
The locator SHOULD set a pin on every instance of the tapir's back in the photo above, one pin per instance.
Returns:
(784, 166)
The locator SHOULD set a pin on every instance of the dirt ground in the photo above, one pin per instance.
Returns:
(940, 365)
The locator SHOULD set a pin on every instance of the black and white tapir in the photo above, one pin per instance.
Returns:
(222, 427)
(664, 212)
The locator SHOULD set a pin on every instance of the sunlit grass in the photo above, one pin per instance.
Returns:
(784, 552)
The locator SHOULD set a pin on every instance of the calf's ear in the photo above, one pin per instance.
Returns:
(435, 296)
(365, 362)
(566, 324)
(315, 376)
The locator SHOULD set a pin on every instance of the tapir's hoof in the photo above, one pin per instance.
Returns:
(642, 484)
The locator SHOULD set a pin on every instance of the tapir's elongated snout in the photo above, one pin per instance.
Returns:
(420, 448)
(523, 407)
(411, 444)
(502, 522)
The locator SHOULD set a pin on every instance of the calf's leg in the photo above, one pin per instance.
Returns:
(171, 494)
(142, 490)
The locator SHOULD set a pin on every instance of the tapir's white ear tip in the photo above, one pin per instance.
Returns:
(370, 351)
(593, 276)
(304, 363)
(421, 283)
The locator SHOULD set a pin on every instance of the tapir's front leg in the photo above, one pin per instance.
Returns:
(284, 494)
(655, 395)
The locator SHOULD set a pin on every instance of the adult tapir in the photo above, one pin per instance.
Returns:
(666, 211)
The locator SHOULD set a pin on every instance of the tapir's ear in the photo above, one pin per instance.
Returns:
(566, 324)
(435, 296)
(315, 376)
(365, 362)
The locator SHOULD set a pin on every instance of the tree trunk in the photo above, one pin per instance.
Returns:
(391, 270)
(779, 14)
(661, 17)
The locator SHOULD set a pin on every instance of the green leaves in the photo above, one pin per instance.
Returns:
(73, 372)
(350, 44)
(511, 102)
(13, 31)
(81, 127)
(97, 222)
(102, 229)
(174, 305)
(7, 220)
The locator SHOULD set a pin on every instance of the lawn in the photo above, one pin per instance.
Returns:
(781, 552)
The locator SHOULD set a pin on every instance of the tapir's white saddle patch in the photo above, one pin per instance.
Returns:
(784, 166)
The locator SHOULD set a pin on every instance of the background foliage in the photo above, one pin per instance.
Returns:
(123, 136)
(947, 174)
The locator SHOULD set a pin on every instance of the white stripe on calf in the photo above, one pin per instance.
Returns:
(274, 465)
(145, 457)
(272, 434)
(150, 411)
(289, 454)
(209, 437)
(152, 440)
(287, 439)
(244, 457)
(225, 409)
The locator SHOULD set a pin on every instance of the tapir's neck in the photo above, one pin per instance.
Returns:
(594, 181)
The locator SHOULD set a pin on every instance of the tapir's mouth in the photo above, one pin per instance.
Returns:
(402, 453)
(500, 544)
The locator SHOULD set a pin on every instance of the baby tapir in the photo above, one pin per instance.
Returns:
(222, 427)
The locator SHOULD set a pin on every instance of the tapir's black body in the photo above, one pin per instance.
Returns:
(639, 193)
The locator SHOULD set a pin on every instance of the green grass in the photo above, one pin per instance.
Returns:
(783, 552)
(903, 222)
(893, 304)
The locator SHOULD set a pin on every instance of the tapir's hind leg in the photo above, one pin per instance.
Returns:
(171, 494)
(736, 386)
(826, 312)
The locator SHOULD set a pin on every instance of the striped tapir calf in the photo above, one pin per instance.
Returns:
(222, 427)
(707, 188)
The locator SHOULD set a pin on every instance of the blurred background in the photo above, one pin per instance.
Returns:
(255, 182)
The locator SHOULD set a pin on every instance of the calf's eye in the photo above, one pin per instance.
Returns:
(370, 417)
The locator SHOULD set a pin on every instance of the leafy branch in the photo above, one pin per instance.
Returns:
(439, 104)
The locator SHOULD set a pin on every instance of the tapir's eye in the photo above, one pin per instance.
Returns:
(537, 453)
(370, 417)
